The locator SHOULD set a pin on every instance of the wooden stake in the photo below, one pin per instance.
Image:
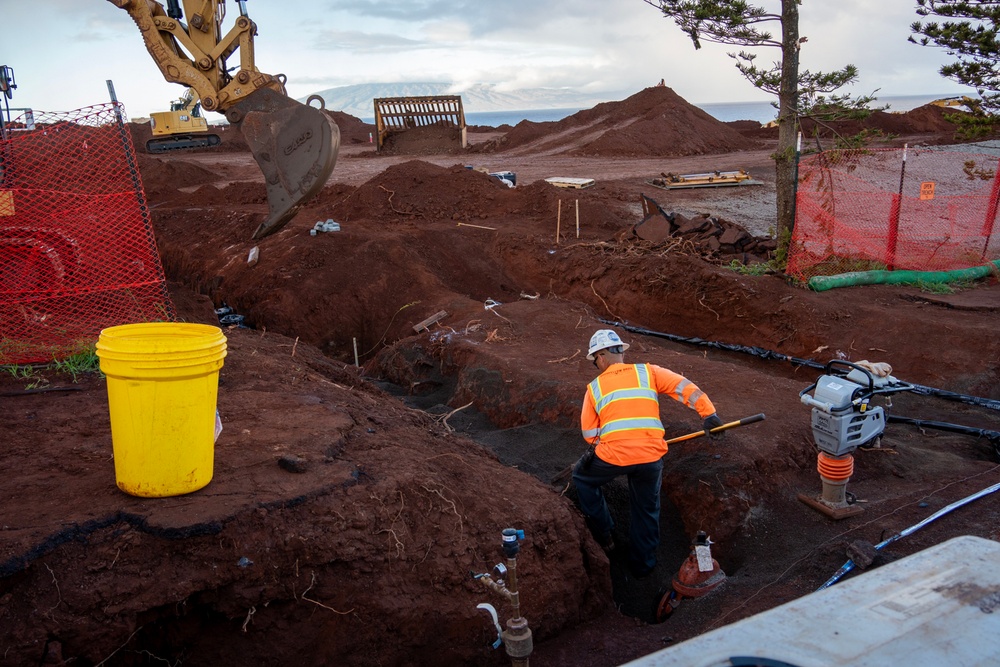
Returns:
(558, 220)
(356, 364)
(577, 218)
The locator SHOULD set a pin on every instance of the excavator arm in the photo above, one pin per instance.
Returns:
(294, 144)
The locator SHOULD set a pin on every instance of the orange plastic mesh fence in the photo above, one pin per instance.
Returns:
(915, 209)
(77, 252)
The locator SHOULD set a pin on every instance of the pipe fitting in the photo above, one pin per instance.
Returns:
(497, 587)
(517, 639)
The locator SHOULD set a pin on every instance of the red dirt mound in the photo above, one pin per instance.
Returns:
(420, 190)
(654, 121)
(161, 175)
(926, 120)
(353, 130)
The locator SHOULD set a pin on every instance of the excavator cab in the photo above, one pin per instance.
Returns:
(294, 144)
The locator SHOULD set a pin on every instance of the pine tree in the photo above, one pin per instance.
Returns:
(970, 33)
(799, 93)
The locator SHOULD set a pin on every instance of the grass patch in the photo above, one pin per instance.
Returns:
(83, 362)
(835, 265)
(942, 288)
(75, 365)
(755, 269)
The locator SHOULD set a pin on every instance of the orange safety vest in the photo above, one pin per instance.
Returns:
(621, 411)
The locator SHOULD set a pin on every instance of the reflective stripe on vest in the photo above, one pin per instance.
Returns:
(679, 393)
(643, 392)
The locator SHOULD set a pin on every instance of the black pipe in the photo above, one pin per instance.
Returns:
(992, 436)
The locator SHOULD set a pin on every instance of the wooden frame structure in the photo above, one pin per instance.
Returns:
(400, 114)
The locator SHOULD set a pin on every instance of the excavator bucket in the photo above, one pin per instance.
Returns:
(295, 146)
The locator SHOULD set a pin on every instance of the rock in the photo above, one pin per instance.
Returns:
(295, 464)
(734, 236)
(695, 226)
(862, 553)
(655, 228)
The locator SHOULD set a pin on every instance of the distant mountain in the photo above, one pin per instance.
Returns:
(358, 100)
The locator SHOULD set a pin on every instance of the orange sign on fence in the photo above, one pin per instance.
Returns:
(927, 190)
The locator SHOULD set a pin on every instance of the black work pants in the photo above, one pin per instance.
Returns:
(644, 504)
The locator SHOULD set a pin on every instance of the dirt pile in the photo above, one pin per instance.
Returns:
(929, 120)
(927, 124)
(654, 122)
(437, 139)
(353, 130)
(166, 175)
(418, 191)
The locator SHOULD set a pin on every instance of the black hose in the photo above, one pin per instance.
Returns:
(762, 353)
(992, 436)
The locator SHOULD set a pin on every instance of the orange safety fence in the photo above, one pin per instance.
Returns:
(923, 209)
(77, 252)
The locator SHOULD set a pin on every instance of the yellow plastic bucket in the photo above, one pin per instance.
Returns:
(163, 383)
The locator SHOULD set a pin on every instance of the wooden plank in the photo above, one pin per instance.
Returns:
(567, 182)
(436, 317)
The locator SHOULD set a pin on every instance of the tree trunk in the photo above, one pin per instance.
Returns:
(785, 159)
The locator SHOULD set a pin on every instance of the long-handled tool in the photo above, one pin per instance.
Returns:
(718, 429)
(564, 476)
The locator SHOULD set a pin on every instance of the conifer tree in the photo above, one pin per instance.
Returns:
(799, 92)
(969, 32)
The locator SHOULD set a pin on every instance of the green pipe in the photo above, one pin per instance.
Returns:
(822, 283)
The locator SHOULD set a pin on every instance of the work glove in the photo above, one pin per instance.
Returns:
(587, 459)
(712, 421)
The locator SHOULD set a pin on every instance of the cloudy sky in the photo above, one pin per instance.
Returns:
(63, 51)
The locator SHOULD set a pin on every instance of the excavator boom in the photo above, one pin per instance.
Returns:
(294, 144)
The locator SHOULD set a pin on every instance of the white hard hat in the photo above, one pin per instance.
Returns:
(603, 339)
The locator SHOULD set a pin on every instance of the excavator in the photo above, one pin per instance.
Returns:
(294, 144)
(181, 127)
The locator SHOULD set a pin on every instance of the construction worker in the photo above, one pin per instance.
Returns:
(621, 420)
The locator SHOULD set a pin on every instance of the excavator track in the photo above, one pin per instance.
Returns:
(294, 144)
(178, 142)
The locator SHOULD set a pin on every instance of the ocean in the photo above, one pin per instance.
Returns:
(762, 112)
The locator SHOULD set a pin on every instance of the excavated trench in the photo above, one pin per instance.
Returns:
(469, 393)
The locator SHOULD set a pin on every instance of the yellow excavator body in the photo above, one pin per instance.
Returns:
(181, 127)
(294, 144)
(962, 102)
(168, 123)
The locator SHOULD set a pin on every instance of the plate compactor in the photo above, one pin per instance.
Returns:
(843, 419)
